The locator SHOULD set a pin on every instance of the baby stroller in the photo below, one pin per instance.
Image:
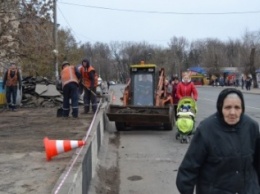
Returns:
(186, 113)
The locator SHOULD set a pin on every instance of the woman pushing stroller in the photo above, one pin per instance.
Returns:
(186, 88)
(186, 108)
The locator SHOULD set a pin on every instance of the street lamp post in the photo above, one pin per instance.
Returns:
(55, 51)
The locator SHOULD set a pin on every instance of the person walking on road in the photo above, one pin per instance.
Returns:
(175, 82)
(187, 88)
(70, 77)
(90, 82)
(248, 83)
(11, 82)
(242, 82)
(108, 85)
(224, 154)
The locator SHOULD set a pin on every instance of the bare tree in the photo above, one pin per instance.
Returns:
(178, 48)
(9, 23)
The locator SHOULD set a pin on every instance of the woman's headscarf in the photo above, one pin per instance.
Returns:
(223, 94)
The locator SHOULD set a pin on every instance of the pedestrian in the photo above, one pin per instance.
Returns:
(108, 85)
(90, 82)
(70, 77)
(248, 83)
(11, 82)
(242, 82)
(223, 156)
(175, 82)
(221, 81)
(168, 86)
(187, 88)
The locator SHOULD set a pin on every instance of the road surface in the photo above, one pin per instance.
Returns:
(146, 161)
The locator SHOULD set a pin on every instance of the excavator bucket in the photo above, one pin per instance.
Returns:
(129, 116)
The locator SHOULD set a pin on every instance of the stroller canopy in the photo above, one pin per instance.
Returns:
(187, 101)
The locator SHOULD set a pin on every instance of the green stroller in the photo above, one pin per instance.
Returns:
(186, 114)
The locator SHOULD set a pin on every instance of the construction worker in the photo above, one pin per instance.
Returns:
(70, 77)
(11, 81)
(90, 82)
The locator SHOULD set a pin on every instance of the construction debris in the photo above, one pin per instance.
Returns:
(40, 92)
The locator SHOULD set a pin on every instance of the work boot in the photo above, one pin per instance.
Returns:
(86, 109)
(84, 112)
(14, 108)
(10, 107)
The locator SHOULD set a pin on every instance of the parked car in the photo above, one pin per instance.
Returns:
(112, 82)
(99, 81)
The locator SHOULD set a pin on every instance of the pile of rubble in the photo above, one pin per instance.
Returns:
(40, 92)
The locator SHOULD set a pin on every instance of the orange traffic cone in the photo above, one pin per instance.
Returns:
(55, 147)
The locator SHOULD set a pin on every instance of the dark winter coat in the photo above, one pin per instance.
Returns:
(219, 159)
(174, 93)
(222, 159)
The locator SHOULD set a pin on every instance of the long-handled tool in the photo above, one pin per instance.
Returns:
(91, 92)
(95, 94)
(89, 89)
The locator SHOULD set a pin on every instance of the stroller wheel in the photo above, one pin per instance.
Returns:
(177, 136)
(184, 139)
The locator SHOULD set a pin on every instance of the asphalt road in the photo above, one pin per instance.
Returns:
(146, 161)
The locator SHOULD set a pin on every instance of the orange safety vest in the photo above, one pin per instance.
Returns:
(12, 81)
(85, 76)
(68, 75)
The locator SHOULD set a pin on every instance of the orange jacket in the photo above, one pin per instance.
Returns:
(86, 79)
(68, 75)
(12, 81)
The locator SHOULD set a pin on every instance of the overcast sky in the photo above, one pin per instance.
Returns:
(157, 21)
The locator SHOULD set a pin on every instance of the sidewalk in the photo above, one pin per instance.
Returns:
(252, 91)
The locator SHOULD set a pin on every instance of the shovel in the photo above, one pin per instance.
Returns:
(89, 90)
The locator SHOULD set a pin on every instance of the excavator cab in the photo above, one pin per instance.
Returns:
(143, 101)
(142, 85)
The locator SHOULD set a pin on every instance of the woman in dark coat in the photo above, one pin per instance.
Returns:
(175, 82)
(223, 157)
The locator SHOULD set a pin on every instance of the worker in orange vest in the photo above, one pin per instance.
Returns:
(89, 81)
(70, 77)
(12, 79)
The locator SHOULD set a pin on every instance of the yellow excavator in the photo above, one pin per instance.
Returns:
(144, 101)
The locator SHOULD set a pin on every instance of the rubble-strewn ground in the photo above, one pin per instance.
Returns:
(23, 165)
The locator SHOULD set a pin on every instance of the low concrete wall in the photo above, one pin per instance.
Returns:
(77, 176)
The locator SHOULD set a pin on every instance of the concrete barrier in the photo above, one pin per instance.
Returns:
(77, 176)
